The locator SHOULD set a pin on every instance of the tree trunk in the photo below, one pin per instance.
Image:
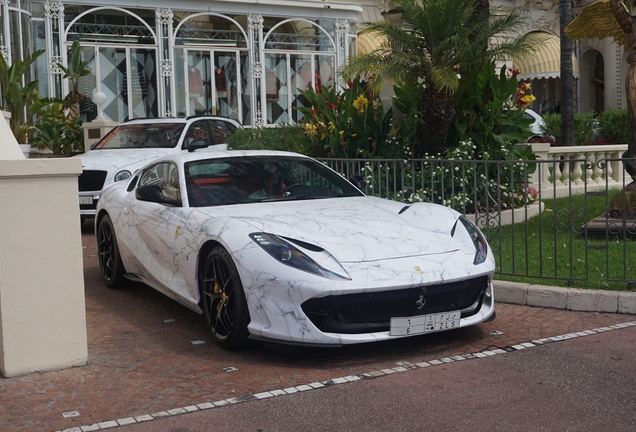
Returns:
(630, 92)
(567, 77)
(438, 111)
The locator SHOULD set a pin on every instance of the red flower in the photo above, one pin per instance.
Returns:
(350, 83)
(332, 106)
(514, 72)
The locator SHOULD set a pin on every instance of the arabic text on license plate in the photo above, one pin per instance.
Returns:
(425, 323)
(86, 199)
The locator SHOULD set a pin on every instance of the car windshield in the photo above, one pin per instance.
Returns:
(240, 180)
(148, 135)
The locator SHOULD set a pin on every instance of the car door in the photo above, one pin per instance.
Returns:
(156, 228)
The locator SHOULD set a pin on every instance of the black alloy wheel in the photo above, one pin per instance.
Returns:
(108, 254)
(223, 300)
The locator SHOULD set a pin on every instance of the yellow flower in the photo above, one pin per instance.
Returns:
(528, 99)
(361, 103)
(331, 126)
(310, 130)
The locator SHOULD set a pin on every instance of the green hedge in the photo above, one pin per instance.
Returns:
(283, 138)
(584, 128)
(612, 125)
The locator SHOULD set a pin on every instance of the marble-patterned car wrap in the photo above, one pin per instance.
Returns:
(380, 245)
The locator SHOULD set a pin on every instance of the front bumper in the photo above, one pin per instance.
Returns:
(88, 203)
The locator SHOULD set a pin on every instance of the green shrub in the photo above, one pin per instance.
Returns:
(584, 128)
(490, 112)
(613, 126)
(346, 122)
(282, 137)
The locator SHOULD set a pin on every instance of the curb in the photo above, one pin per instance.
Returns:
(581, 300)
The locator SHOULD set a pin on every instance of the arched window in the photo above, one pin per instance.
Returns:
(298, 54)
(212, 67)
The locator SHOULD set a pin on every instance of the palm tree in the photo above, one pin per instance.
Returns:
(438, 41)
(567, 76)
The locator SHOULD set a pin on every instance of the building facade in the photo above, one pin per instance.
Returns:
(246, 60)
(599, 65)
(243, 60)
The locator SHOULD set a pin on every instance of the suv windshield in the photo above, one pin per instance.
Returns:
(151, 135)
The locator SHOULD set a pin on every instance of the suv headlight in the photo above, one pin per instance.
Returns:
(122, 175)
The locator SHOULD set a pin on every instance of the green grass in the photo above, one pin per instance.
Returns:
(549, 249)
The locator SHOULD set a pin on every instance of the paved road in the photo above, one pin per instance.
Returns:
(582, 384)
(149, 355)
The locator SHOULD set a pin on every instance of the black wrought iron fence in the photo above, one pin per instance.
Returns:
(562, 219)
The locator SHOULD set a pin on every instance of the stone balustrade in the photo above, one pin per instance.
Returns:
(564, 171)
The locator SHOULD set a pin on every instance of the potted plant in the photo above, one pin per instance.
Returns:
(58, 125)
(16, 97)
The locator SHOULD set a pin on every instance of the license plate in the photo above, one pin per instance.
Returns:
(84, 200)
(425, 323)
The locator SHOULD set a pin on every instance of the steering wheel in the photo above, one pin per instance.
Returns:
(287, 190)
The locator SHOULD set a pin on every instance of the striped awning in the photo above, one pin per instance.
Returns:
(367, 42)
(545, 62)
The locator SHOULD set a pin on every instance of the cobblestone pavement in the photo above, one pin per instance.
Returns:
(148, 354)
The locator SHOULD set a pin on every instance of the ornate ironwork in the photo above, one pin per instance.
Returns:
(166, 68)
(257, 70)
(299, 41)
(4, 51)
(342, 26)
(53, 9)
(211, 35)
(255, 21)
(56, 61)
(110, 31)
(164, 16)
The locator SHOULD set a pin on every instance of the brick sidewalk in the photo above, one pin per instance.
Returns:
(142, 358)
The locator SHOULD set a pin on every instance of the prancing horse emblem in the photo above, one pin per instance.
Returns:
(420, 302)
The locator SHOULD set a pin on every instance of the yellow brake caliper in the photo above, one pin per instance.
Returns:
(217, 290)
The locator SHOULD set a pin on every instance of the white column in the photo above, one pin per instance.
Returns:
(42, 306)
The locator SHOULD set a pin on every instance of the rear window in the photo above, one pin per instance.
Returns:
(161, 135)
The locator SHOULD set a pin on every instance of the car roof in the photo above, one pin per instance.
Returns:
(184, 157)
(147, 120)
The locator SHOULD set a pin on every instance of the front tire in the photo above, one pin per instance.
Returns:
(110, 262)
(223, 300)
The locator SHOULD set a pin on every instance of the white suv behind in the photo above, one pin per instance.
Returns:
(131, 144)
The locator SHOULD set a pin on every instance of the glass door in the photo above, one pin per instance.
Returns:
(128, 78)
(215, 83)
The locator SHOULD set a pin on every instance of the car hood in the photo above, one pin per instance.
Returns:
(358, 229)
(116, 159)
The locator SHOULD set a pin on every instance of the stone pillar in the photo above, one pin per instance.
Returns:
(540, 177)
(42, 308)
(95, 130)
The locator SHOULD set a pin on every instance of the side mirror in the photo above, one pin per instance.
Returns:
(358, 181)
(197, 144)
(150, 193)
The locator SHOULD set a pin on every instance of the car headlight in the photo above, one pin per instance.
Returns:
(286, 253)
(122, 175)
(481, 246)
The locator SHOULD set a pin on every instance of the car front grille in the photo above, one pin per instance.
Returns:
(370, 312)
(90, 181)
